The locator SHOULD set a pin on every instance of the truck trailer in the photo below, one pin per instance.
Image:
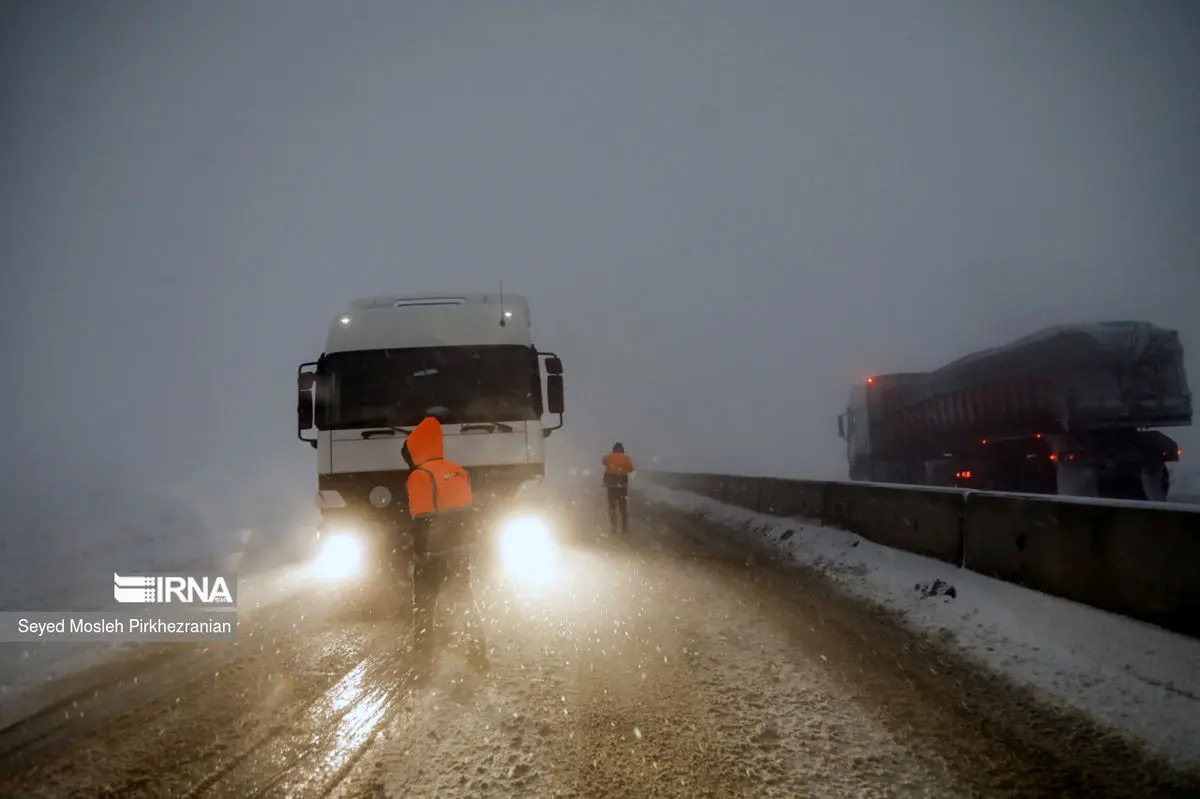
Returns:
(1066, 410)
(390, 361)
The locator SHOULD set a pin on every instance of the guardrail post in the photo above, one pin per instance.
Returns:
(963, 531)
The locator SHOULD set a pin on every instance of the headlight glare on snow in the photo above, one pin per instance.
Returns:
(340, 557)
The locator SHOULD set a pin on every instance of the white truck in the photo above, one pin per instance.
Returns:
(390, 361)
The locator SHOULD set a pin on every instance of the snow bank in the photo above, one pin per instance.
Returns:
(1131, 676)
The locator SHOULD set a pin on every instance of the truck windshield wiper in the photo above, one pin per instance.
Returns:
(489, 427)
(390, 430)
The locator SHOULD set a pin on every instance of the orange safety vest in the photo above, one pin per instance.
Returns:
(435, 484)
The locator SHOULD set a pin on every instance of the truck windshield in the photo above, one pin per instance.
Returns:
(459, 385)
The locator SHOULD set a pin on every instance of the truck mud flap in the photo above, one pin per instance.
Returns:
(1155, 482)
(1077, 480)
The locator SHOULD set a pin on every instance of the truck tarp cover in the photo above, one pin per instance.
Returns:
(1100, 365)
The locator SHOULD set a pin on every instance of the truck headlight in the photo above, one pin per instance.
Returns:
(528, 552)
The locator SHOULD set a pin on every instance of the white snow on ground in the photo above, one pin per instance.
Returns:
(1134, 677)
(641, 678)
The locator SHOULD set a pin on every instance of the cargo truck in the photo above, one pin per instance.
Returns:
(1067, 410)
(467, 359)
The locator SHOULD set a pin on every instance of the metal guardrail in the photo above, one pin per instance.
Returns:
(1138, 559)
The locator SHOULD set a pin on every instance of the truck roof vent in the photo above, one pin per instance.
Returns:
(425, 301)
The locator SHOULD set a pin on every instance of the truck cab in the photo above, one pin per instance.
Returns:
(862, 427)
(389, 361)
(854, 429)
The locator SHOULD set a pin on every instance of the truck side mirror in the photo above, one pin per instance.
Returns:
(320, 395)
(554, 393)
(304, 401)
(554, 367)
(842, 426)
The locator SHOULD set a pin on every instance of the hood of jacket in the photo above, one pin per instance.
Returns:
(424, 443)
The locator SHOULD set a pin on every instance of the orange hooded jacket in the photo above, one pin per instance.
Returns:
(435, 484)
(618, 463)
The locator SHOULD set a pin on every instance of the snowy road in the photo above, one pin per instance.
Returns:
(661, 665)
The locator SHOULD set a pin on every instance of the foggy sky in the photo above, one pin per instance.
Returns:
(723, 214)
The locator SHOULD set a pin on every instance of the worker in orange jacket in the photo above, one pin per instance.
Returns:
(444, 531)
(617, 468)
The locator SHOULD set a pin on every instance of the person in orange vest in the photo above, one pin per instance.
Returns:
(444, 532)
(617, 468)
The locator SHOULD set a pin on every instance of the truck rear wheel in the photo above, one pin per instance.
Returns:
(1145, 482)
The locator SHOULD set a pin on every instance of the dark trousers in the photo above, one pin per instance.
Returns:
(618, 508)
(444, 576)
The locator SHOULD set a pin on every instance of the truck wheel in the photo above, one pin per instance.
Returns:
(1145, 482)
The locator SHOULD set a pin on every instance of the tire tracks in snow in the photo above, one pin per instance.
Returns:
(286, 712)
(645, 677)
(997, 735)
